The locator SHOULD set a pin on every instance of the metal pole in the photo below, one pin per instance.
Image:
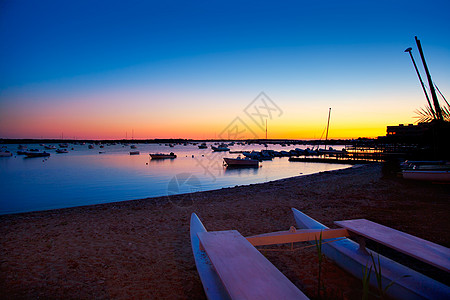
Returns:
(328, 124)
(437, 108)
(421, 82)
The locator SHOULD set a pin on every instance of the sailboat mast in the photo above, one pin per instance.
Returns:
(437, 108)
(266, 129)
(421, 82)
(328, 125)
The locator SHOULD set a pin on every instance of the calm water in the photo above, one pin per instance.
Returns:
(83, 176)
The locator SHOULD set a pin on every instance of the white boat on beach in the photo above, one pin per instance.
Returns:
(435, 171)
(241, 162)
(230, 266)
(354, 259)
(162, 155)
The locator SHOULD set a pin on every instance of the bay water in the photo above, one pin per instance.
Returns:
(109, 173)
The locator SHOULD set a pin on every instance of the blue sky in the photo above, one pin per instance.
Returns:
(210, 58)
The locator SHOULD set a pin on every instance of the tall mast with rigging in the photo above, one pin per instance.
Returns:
(437, 108)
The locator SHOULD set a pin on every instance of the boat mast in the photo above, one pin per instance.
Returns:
(437, 108)
(421, 82)
(266, 129)
(328, 124)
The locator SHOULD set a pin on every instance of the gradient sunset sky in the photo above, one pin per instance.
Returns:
(189, 69)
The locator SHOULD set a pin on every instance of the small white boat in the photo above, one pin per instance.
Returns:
(241, 162)
(50, 147)
(162, 155)
(427, 175)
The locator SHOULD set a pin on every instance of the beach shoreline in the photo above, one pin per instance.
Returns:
(141, 248)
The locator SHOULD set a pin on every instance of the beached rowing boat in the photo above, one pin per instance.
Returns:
(348, 256)
(211, 282)
(231, 267)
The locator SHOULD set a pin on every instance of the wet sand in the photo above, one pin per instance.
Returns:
(141, 249)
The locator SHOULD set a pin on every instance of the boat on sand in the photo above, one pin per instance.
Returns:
(230, 266)
(427, 175)
(350, 257)
(162, 155)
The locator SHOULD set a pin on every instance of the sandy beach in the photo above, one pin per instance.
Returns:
(141, 249)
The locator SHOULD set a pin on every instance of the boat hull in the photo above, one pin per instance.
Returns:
(427, 175)
(162, 156)
(234, 162)
(347, 255)
(38, 154)
(211, 282)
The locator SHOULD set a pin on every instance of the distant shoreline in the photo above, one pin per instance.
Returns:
(180, 140)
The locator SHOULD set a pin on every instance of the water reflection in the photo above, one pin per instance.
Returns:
(247, 170)
(83, 177)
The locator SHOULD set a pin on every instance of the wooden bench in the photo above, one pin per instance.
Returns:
(243, 270)
(421, 249)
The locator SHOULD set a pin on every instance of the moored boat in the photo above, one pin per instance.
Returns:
(162, 155)
(406, 283)
(134, 152)
(221, 147)
(5, 153)
(62, 151)
(241, 162)
(202, 146)
(37, 154)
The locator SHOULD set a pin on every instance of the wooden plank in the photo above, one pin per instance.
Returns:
(434, 254)
(302, 235)
(244, 271)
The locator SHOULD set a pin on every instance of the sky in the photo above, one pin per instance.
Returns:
(216, 69)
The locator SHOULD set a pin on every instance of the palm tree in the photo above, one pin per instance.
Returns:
(426, 114)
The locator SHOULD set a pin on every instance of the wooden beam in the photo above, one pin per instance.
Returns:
(290, 236)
